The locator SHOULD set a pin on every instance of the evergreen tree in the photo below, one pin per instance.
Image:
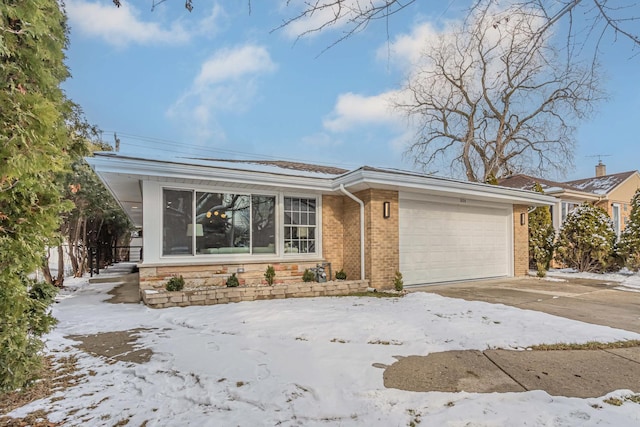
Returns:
(34, 147)
(541, 235)
(586, 240)
(629, 245)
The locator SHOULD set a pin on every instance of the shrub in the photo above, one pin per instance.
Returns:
(232, 281)
(269, 275)
(308, 276)
(341, 275)
(541, 235)
(176, 283)
(586, 240)
(629, 244)
(398, 283)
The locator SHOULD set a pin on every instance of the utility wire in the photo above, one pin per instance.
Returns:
(168, 145)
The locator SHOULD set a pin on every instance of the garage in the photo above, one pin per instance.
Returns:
(444, 240)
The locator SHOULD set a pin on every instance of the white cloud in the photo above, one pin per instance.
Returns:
(406, 49)
(234, 64)
(353, 110)
(124, 25)
(227, 82)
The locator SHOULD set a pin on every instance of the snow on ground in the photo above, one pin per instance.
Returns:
(307, 362)
(628, 280)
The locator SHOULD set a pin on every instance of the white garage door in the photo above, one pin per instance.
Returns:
(442, 242)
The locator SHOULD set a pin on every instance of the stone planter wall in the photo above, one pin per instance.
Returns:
(197, 276)
(160, 298)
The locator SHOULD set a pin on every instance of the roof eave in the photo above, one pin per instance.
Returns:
(172, 170)
(376, 179)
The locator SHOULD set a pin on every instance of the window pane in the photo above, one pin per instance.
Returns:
(300, 232)
(177, 227)
(263, 223)
(225, 220)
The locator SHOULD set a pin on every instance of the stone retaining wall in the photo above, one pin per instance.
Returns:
(160, 298)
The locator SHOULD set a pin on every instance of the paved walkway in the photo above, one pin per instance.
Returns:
(591, 301)
(573, 373)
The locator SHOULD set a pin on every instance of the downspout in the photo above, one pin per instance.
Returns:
(361, 203)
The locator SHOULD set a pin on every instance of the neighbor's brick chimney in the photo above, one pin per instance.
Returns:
(601, 169)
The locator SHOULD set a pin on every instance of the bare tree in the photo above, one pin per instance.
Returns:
(494, 96)
(585, 18)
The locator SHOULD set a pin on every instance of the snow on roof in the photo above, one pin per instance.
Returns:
(600, 185)
(597, 185)
(526, 182)
(279, 167)
(296, 167)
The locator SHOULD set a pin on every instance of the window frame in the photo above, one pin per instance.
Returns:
(317, 226)
(279, 216)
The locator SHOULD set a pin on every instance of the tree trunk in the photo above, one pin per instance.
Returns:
(59, 281)
(82, 256)
(46, 271)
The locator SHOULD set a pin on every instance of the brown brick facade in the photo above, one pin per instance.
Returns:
(520, 241)
(333, 232)
(351, 218)
(382, 239)
(341, 236)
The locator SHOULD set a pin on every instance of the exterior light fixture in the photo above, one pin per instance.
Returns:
(523, 218)
(386, 210)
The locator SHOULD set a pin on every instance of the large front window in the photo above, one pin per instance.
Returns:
(218, 223)
(177, 222)
(299, 225)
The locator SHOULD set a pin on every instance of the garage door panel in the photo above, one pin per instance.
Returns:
(446, 242)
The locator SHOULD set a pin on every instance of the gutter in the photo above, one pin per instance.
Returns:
(361, 203)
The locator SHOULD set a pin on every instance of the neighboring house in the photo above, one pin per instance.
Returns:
(204, 218)
(613, 193)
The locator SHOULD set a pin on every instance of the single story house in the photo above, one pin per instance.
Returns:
(207, 218)
(611, 192)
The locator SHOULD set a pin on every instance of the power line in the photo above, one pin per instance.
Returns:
(178, 147)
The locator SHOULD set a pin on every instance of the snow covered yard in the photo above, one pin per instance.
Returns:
(306, 362)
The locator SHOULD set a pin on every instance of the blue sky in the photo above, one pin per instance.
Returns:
(217, 82)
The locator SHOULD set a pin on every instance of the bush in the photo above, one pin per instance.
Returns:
(629, 245)
(176, 283)
(269, 275)
(29, 315)
(586, 240)
(398, 283)
(341, 275)
(308, 276)
(232, 281)
(541, 235)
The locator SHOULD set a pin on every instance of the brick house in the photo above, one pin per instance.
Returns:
(612, 192)
(205, 219)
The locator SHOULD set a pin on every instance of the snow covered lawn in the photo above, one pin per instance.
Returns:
(306, 362)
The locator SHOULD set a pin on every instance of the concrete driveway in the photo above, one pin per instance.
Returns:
(591, 301)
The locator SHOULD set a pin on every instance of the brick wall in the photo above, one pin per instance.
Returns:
(520, 241)
(333, 232)
(382, 258)
(351, 230)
